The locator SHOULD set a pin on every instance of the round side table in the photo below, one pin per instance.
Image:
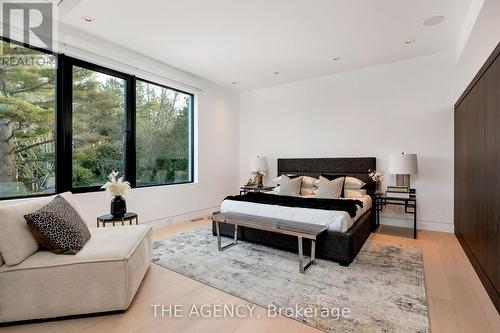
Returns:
(108, 218)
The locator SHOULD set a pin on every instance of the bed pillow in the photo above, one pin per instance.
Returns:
(291, 176)
(353, 183)
(289, 186)
(348, 193)
(309, 181)
(308, 190)
(58, 227)
(330, 189)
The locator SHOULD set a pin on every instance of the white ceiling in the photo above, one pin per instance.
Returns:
(248, 40)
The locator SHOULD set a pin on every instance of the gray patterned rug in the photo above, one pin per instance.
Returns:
(383, 288)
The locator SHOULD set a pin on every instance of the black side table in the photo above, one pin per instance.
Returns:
(410, 205)
(108, 218)
(245, 189)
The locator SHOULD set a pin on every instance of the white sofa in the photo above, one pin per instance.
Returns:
(104, 276)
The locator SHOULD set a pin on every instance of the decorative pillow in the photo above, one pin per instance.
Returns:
(58, 227)
(354, 193)
(352, 183)
(333, 177)
(330, 189)
(16, 240)
(289, 186)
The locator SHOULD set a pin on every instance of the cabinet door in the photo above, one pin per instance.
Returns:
(460, 167)
(474, 173)
(490, 261)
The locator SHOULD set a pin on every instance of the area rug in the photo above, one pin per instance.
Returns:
(383, 288)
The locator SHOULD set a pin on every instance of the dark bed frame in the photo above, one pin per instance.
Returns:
(341, 247)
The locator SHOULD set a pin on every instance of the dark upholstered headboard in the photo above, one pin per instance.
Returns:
(350, 166)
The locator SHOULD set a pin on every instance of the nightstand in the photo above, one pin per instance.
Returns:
(410, 205)
(245, 189)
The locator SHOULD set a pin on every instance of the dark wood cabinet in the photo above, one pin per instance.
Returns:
(477, 174)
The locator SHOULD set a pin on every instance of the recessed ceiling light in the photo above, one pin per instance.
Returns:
(433, 20)
(87, 19)
(337, 58)
(276, 73)
(409, 41)
(234, 82)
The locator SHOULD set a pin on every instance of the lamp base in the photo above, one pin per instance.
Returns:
(403, 180)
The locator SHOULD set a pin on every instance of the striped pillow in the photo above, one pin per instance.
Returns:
(289, 186)
(330, 189)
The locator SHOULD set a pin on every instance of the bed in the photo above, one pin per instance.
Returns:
(344, 238)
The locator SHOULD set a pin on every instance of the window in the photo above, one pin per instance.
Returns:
(98, 126)
(163, 135)
(69, 136)
(27, 121)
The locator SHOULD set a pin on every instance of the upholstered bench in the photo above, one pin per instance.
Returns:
(104, 276)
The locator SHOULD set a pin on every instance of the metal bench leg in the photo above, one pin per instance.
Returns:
(219, 239)
(302, 267)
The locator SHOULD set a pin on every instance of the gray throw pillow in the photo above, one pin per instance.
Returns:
(58, 227)
(330, 189)
(289, 186)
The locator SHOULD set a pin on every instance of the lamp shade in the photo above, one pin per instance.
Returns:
(403, 164)
(259, 163)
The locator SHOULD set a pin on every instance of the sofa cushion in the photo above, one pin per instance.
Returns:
(103, 276)
(16, 240)
(58, 227)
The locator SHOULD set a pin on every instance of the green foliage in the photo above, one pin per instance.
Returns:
(162, 135)
(27, 104)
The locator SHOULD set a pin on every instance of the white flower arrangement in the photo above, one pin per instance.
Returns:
(114, 186)
(376, 176)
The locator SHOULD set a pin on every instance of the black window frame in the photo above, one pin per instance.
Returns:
(64, 124)
(191, 134)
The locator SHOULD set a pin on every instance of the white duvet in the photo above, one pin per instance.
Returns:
(335, 220)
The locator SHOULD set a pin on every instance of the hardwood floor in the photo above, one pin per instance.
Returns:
(457, 300)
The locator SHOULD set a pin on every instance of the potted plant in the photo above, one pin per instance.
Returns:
(117, 187)
(378, 178)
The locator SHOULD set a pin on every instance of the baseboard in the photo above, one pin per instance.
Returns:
(421, 225)
(181, 217)
(490, 288)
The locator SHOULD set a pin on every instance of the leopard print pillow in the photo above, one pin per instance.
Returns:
(58, 227)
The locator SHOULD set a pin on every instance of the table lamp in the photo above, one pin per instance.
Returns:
(403, 165)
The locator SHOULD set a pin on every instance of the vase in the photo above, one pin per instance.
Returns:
(118, 206)
(378, 188)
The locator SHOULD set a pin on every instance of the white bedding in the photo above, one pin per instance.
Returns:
(335, 220)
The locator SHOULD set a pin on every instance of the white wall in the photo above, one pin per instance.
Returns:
(399, 107)
(216, 141)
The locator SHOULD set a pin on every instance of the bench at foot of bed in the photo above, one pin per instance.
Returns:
(341, 247)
